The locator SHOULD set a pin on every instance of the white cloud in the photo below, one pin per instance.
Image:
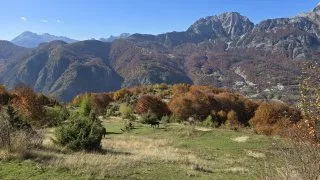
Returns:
(59, 21)
(44, 20)
(23, 18)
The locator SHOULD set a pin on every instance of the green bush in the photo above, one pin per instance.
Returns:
(85, 106)
(148, 118)
(165, 119)
(128, 126)
(210, 121)
(125, 110)
(111, 111)
(56, 115)
(15, 121)
(175, 119)
(80, 134)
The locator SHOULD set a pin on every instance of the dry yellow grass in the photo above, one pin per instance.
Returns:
(126, 152)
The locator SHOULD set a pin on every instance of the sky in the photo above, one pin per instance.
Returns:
(85, 19)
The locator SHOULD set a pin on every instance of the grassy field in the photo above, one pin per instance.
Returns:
(173, 151)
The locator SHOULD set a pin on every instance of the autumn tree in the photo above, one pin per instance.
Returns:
(180, 88)
(151, 103)
(27, 104)
(99, 102)
(232, 119)
(120, 94)
(193, 103)
(181, 107)
(243, 107)
(274, 118)
(222, 116)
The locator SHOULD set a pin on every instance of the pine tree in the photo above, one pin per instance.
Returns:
(85, 107)
(15, 121)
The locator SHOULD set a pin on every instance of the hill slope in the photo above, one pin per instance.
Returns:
(64, 70)
(227, 50)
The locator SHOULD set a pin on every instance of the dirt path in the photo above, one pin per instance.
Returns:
(203, 129)
(241, 139)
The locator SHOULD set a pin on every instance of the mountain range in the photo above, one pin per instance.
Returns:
(31, 40)
(261, 60)
(113, 38)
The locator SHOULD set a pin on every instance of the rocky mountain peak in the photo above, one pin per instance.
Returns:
(235, 24)
(229, 25)
(317, 8)
(31, 40)
(113, 38)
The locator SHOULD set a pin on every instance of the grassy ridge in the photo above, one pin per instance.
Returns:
(173, 151)
(217, 153)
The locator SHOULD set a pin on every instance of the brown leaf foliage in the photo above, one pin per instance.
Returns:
(195, 102)
(274, 118)
(26, 101)
(100, 101)
(180, 89)
(151, 103)
(121, 94)
(201, 101)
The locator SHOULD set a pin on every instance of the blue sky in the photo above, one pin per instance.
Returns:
(84, 19)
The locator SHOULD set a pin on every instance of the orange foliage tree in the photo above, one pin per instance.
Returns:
(100, 101)
(120, 94)
(243, 107)
(151, 103)
(180, 89)
(232, 119)
(192, 103)
(201, 101)
(26, 101)
(275, 118)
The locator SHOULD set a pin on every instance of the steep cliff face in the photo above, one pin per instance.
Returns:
(225, 27)
(295, 37)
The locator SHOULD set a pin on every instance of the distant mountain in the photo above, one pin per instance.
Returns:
(226, 50)
(64, 70)
(31, 40)
(113, 38)
(227, 27)
(9, 50)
